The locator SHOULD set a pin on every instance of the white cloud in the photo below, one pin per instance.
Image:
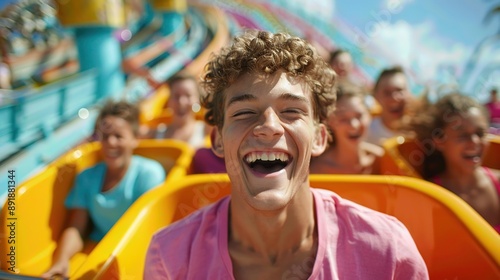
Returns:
(395, 5)
(420, 49)
(484, 70)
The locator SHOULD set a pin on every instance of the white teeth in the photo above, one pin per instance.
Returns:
(283, 157)
(266, 157)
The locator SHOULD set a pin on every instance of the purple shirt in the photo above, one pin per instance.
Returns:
(354, 242)
(205, 161)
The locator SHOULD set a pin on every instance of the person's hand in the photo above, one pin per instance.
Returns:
(57, 270)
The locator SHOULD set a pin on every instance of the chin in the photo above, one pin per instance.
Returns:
(269, 200)
(115, 163)
(355, 141)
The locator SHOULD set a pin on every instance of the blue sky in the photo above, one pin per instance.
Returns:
(435, 38)
(457, 20)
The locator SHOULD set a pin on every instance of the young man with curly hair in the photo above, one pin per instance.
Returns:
(266, 95)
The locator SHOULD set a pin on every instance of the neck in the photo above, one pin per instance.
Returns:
(118, 172)
(274, 235)
(114, 175)
(348, 155)
(388, 122)
(461, 179)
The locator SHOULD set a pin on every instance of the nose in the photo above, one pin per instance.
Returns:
(110, 140)
(269, 125)
(397, 95)
(183, 101)
(355, 123)
(475, 139)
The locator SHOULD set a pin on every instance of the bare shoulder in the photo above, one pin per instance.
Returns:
(496, 173)
(373, 149)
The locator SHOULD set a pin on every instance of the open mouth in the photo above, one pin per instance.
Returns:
(267, 162)
(397, 110)
(112, 154)
(355, 136)
(472, 157)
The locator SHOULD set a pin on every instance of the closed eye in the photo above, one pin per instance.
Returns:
(293, 111)
(242, 114)
(463, 136)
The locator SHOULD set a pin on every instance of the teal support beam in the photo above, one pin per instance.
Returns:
(172, 13)
(172, 21)
(99, 49)
(149, 13)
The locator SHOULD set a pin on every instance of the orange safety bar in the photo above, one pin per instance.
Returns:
(455, 242)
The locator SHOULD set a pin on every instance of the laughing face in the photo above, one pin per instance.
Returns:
(343, 65)
(349, 121)
(392, 94)
(183, 95)
(464, 140)
(118, 142)
(267, 139)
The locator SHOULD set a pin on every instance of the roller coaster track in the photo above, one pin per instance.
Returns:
(41, 124)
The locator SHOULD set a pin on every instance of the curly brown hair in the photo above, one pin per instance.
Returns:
(262, 52)
(430, 121)
(433, 118)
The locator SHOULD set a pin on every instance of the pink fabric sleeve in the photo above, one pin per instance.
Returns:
(410, 264)
(153, 268)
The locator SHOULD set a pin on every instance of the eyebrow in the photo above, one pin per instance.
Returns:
(293, 97)
(250, 97)
(241, 98)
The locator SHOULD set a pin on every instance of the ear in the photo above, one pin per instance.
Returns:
(217, 146)
(438, 143)
(320, 140)
(135, 142)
